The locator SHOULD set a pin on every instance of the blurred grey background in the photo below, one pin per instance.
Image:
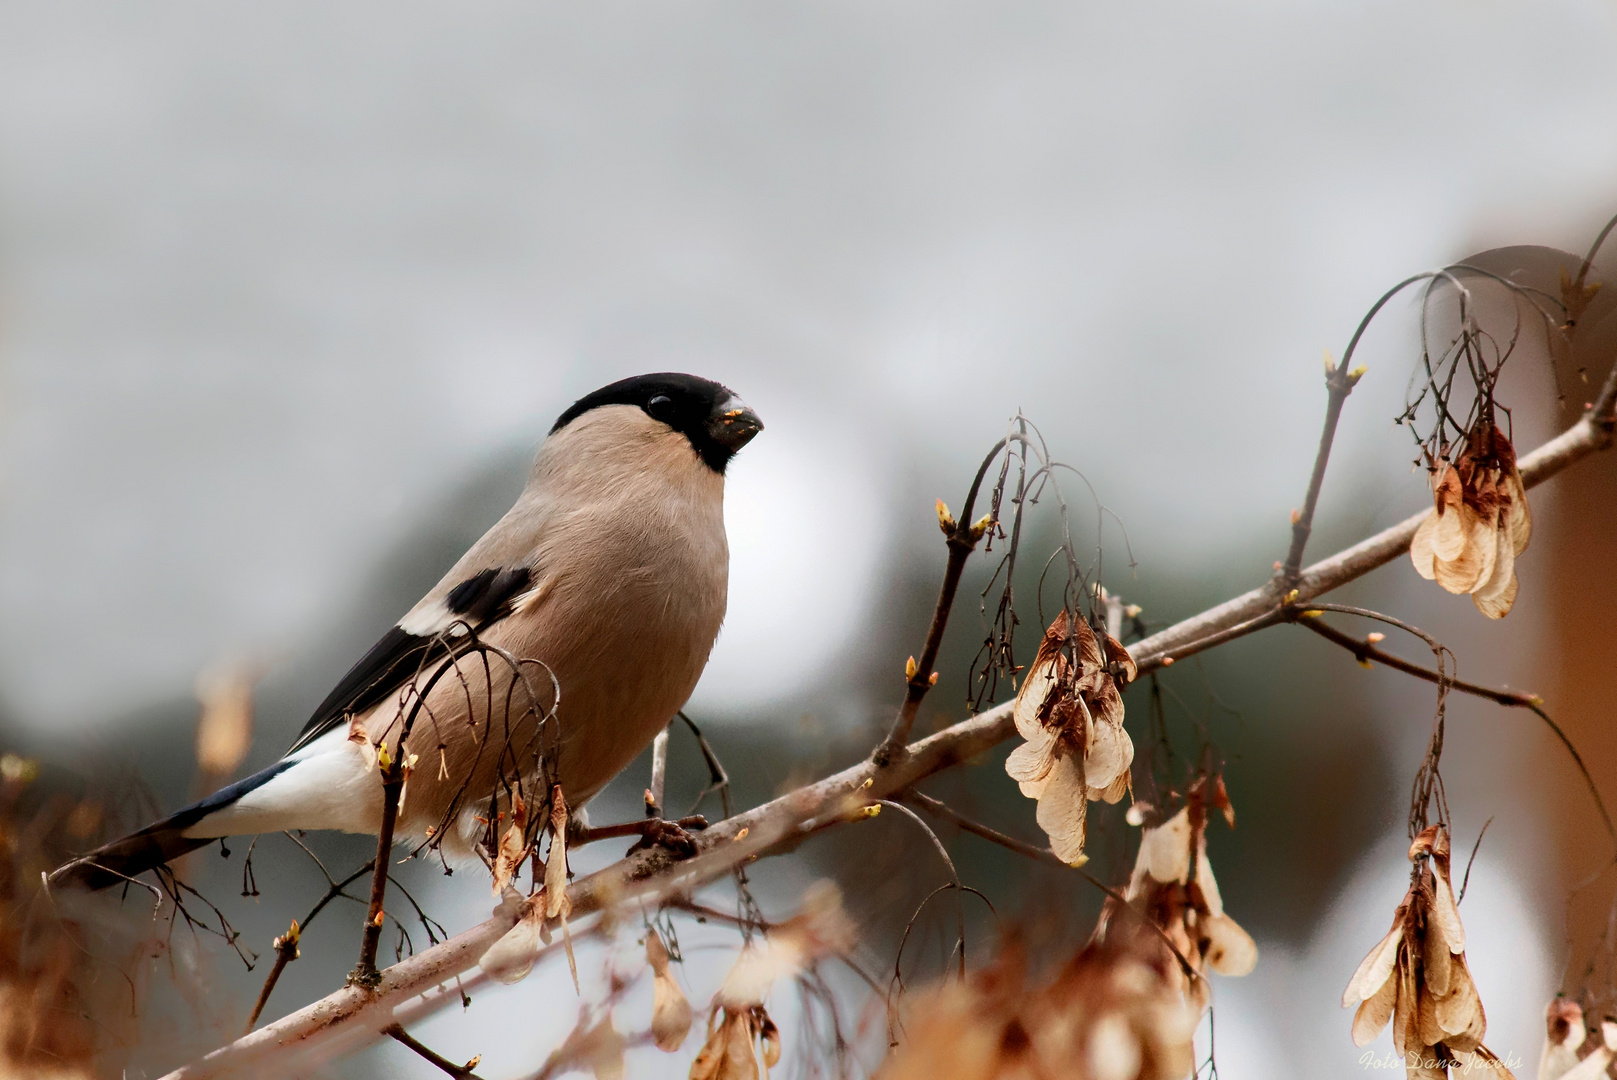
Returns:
(289, 294)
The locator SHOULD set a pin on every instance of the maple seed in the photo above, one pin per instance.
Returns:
(1417, 976)
(1173, 880)
(670, 1009)
(1479, 522)
(1070, 711)
(513, 847)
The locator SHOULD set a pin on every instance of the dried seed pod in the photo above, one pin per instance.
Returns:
(513, 846)
(1109, 1013)
(1417, 975)
(1564, 1035)
(1184, 903)
(1479, 523)
(670, 1009)
(1070, 711)
(733, 1045)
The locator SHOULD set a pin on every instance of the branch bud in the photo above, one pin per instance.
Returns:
(945, 519)
(1356, 374)
(1296, 516)
(932, 680)
(289, 940)
(472, 1064)
(1375, 636)
(910, 668)
(981, 526)
(1330, 364)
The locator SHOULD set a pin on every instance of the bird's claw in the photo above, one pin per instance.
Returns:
(673, 836)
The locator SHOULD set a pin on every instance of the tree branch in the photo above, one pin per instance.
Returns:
(1366, 652)
(359, 1014)
(459, 1072)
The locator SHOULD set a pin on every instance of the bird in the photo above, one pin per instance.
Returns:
(552, 652)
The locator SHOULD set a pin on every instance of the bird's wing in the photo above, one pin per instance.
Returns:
(428, 633)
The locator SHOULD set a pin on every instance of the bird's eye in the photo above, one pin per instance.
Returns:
(661, 407)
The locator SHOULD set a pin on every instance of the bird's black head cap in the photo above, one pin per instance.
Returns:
(707, 413)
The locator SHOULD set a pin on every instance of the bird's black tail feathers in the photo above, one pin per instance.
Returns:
(156, 844)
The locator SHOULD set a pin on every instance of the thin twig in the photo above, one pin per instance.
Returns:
(943, 853)
(659, 774)
(364, 972)
(459, 1072)
(961, 537)
(718, 779)
(1021, 847)
(1366, 653)
(1466, 881)
(286, 948)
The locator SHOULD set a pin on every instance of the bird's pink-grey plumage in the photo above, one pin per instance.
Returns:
(606, 581)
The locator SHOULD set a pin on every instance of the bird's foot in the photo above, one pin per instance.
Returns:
(674, 836)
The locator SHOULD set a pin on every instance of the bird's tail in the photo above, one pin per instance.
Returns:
(156, 844)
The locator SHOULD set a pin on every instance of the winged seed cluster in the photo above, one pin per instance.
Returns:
(1070, 711)
(1568, 1052)
(1109, 1013)
(1417, 977)
(1479, 524)
(1173, 886)
(740, 1034)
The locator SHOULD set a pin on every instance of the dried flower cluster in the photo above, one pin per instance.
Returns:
(1110, 1013)
(1070, 711)
(1417, 977)
(740, 1034)
(1172, 885)
(1480, 523)
(1565, 1037)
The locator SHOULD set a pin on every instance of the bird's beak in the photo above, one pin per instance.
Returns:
(733, 425)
